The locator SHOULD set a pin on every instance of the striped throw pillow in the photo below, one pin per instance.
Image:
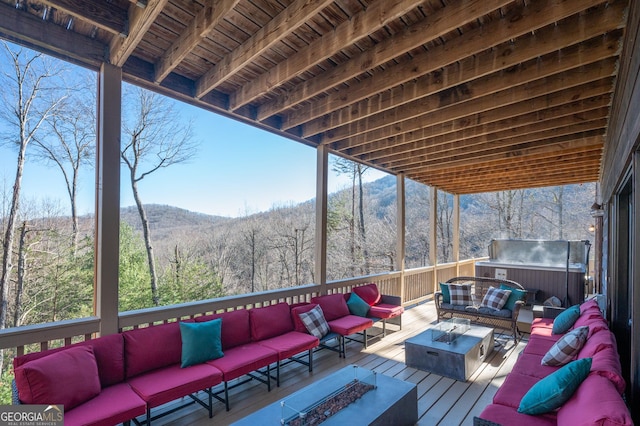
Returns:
(565, 349)
(495, 298)
(460, 294)
(315, 323)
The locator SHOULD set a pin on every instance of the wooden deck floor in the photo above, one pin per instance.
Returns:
(441, 400)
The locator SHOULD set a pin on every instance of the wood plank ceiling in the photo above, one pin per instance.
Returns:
(464, 95)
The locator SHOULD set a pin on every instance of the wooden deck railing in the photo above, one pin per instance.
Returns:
(419, 285)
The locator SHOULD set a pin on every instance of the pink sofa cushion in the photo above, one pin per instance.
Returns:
(369, 293)
(589, 306)
(270, 321)
(298, 325)
(350, 324)
(68, 377)
(603, 339)
(115, 404)
(541, 326)
(595, 322)
(167, 384)
(236, 329)
(606, 363)
(385, 311)
(152, 347)
(530, 365)
(109, 353)
(539, 344)
(333, 306)
(515, 386)
(244, 359)
(290, 344)
(595, 402)
(504, 415)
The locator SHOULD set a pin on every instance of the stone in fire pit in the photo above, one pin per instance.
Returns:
(326, 408)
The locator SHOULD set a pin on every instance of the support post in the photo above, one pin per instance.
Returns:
(401, 230)
(456, 232)
(107, 216)
(322, 165)
(433, 237)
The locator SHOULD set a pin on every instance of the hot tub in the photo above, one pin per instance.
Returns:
(545, 268)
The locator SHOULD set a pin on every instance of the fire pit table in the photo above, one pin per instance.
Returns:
(453, 348)
(379, 400)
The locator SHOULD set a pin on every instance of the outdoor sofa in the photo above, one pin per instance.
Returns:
(579, 383)
(468, 302)
(120, 377)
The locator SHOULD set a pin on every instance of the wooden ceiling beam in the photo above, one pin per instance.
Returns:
(595, 119)
(511, 102)
(586, 142)
(553, 159)
(575, 41)
(525, 166)
(513, 186)
(481, 145)
(140, 19)
(516, 181)
(525, 176)
(286, 22)
(475, 42)
(522, 84)
(204, 22)
(47, 37)
(374, 17)
(576, 112)
(582, 174)
(101, 14)
(435, 25)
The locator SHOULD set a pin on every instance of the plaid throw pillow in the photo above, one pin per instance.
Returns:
(495, 298)
(315, 323)
(565, 349)
(460, 294)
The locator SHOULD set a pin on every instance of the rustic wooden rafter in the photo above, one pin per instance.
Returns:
(274, 31)
(465, 95)
(204, 22)
(575, 42)
(140, 19)
(99, 13)
(374, 17)
(432, 27)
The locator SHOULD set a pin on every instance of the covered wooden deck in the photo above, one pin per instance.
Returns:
(441, 400)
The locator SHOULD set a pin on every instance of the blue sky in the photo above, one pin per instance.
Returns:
(238, 170)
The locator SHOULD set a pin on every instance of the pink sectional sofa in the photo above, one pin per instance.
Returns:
(598, 398)
(116, 378)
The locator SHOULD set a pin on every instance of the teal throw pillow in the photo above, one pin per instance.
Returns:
(200, 341)
(516, 294)
(357, 306)
(446, 296)
(555, 389)
(563, 322)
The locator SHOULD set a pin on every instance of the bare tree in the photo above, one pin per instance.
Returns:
(444, 227)
(29, 97)
(358, 246)
(154, 137)
(71, 144)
